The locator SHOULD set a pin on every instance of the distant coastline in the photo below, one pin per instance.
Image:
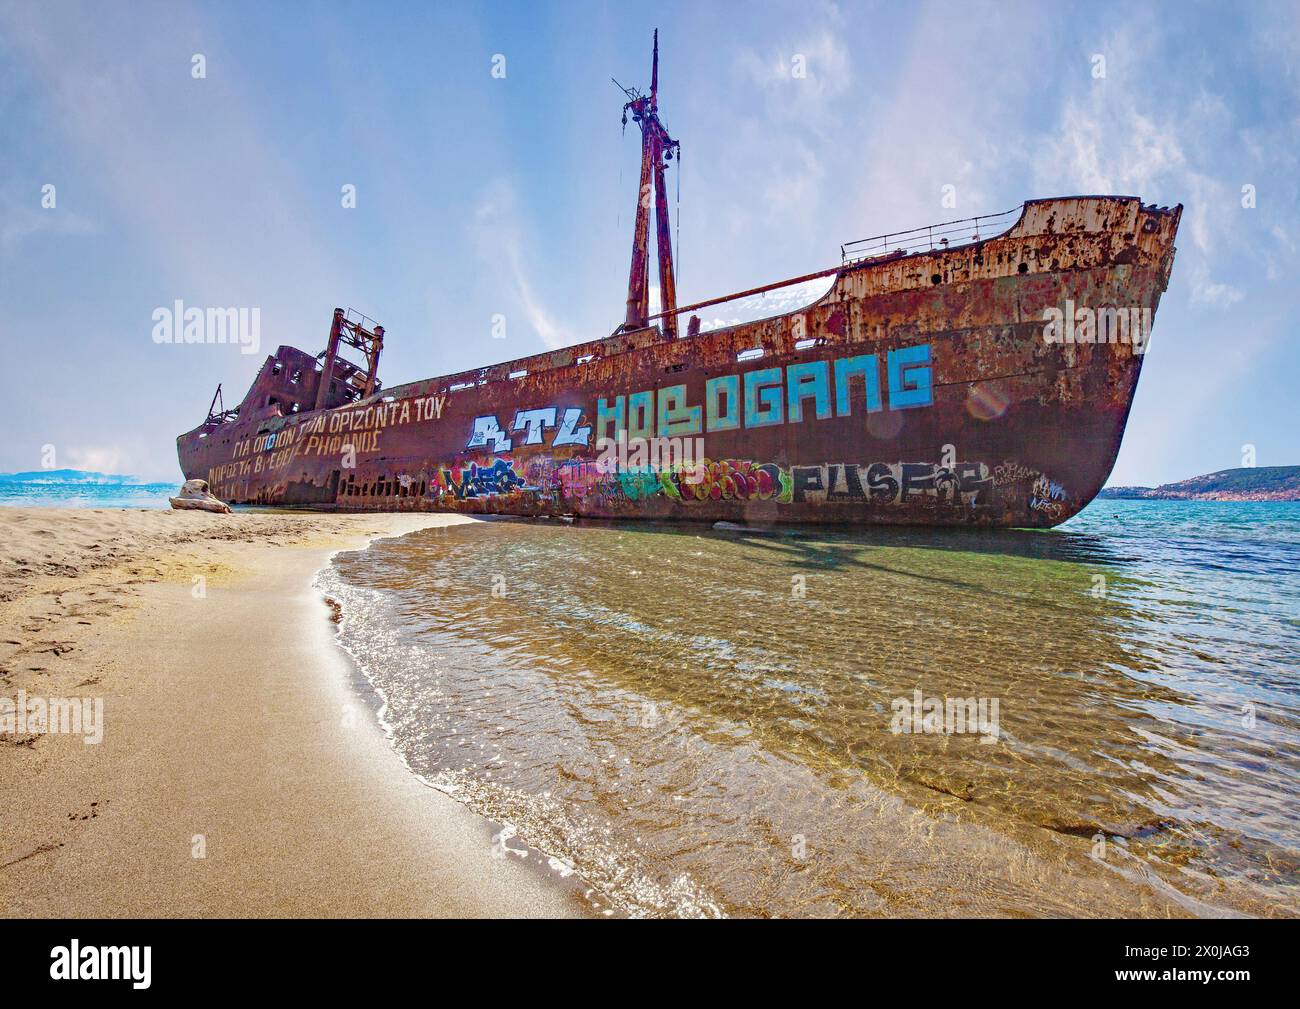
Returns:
(75, 488)
(1255, 483)
(81, 476)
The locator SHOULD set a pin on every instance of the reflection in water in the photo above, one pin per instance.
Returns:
(699, 721)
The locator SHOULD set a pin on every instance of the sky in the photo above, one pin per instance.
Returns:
(494, 185)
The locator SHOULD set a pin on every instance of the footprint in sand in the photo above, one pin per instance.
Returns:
(38, 850)
(55, 648)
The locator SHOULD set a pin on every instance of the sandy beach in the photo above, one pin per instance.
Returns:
(239, 771)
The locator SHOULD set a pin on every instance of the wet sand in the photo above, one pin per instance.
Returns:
(239, 772)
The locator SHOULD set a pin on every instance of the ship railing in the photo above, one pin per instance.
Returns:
(363, 321)
(950, 234)
(930, 238)
(222, 417)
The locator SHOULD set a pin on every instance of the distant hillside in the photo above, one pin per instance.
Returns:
(68, 476)
(1256, 483)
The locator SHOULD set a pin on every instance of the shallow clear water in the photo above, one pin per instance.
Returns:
(705, 721)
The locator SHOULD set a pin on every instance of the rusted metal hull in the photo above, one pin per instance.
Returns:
(922, 389)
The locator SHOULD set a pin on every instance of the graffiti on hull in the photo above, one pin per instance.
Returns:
(730, 480)
(576, 482)
(883, 483)
(1047, 496)
(467, 483)
(764, 397)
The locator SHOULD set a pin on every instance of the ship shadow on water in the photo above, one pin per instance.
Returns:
(830, 545)
(841, 549)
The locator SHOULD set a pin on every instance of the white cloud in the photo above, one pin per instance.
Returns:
(1209, 292)
(1117, 138)
(498, 235)
(96, 458)
(23, 221)
(1104, 144)
(799, 78)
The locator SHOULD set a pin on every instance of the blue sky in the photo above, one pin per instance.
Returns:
(479, 196)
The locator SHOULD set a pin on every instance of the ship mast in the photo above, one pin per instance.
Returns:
(657, 148)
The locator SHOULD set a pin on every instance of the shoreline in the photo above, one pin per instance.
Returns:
(227, 783)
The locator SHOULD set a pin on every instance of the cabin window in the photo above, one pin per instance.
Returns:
(275, 368)
(750, 355)
(296, 377)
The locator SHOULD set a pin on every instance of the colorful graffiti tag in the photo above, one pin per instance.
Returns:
(487, 432)
(966, 483)
(639, 484)
(475, 481)
(729, 480)
(776, 395)
(763, 397)
(1047, 496)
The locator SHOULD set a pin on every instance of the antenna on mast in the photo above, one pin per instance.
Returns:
(654, 77)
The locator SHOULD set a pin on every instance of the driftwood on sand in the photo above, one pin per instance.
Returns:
(195, 494)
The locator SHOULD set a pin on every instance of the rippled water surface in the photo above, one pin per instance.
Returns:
(703, 721)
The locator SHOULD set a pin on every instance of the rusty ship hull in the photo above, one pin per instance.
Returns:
(924, 387)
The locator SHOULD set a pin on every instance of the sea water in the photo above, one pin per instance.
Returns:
(84, 494)
(705, 721)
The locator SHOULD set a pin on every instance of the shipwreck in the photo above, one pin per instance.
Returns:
(976, 372)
